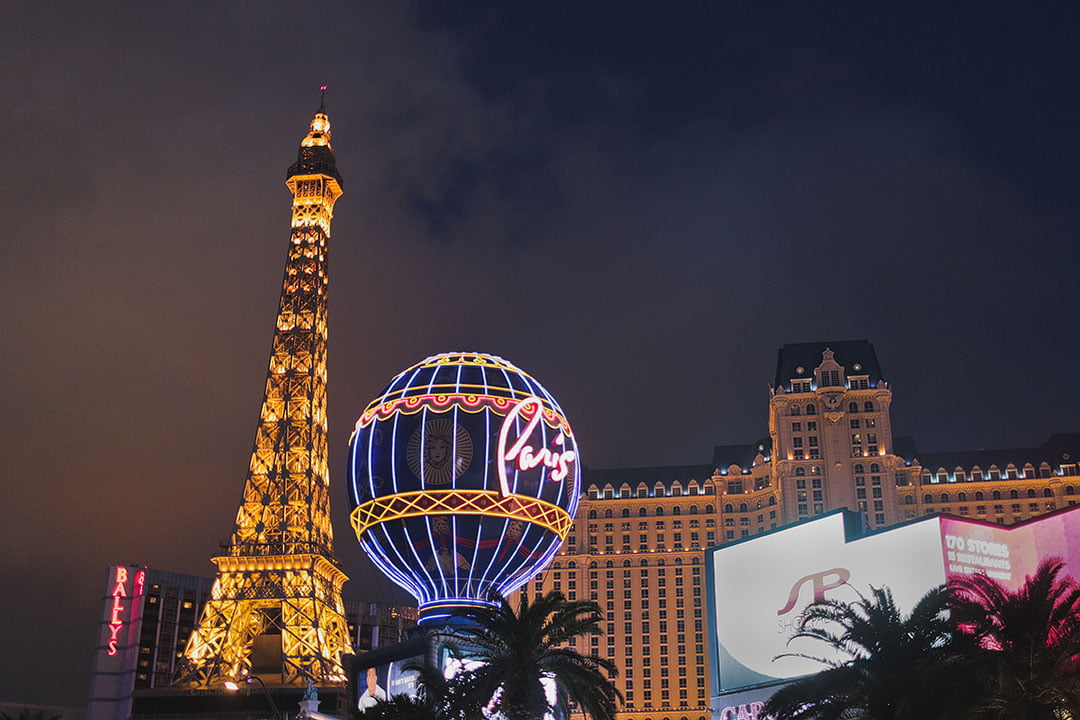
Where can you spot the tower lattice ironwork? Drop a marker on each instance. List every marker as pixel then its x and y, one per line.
pixel 276 607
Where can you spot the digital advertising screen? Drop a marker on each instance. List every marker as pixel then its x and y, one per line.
pixel 759 587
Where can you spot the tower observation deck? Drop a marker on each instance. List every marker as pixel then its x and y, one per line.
pixel 275 608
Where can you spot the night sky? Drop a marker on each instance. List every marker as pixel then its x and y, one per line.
pixel 636 202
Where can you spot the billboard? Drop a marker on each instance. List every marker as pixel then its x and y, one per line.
pixel 759 587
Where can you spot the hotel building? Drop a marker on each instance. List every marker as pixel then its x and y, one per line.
pixel 637 546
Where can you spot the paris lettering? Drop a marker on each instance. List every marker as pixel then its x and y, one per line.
pixel 525 456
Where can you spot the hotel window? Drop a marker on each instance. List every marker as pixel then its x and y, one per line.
pixel 802 511
pixel 854 423
pixel 818 508
pixel 870 422
pixel 879 518
pixel 796 427
pixel 811 426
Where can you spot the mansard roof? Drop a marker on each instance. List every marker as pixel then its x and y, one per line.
pixel 667 476
pixel 724 456
pixel 1059 448
pixel 808 356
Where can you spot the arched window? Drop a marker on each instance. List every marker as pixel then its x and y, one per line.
pixel 659 511
pixel 571 565
pixel 961 497
pixel 810 409
pixel 626 563
pixel 608 514
pixel 693 509
pixel 874 468
pixel 644 562
pixel 592 514
pixel 800 472
pixel 676 510
pixel 859 469
pixel 729 508
pixel 709 509
pixel 772 499
pixel 796 410
pixel 908 500
pixel 868 406
pixel 997 495
pixel 1047 492
pixel 853 407
pixel 626 512
pixel 641 512
pixel 1014 494
pixel 743 507
pixel 1031 492
pixel 944 497
pixel 759 505
pixel 979 495
pixel 815 470
pixel 1070 490
pixel 609 564
pixel 928 499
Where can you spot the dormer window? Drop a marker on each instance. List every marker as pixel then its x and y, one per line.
pixel 861 382
pixel 801 386
pixel 830 378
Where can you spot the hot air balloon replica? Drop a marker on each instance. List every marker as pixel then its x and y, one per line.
pixel 464 477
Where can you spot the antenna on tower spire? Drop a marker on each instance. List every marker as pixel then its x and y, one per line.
pixel 322 98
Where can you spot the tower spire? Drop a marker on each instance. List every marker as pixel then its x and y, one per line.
pixel 276 605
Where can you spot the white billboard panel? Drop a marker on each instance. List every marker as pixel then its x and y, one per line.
pixel 761 586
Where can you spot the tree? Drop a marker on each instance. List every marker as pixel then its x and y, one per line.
pixel 520 648
pixel 889 666
pixel 436 698
pixel 1025 644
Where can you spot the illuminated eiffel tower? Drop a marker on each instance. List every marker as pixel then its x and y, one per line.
pixel 275 608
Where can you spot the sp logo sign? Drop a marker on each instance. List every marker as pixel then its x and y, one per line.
pixel 819 583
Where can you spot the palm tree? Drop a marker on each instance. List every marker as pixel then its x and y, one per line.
pixel 1026 644
pixel 518 649
pixel 889 666
pixel 436 698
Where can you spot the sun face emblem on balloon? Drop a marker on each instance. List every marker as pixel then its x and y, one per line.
pixel 439 451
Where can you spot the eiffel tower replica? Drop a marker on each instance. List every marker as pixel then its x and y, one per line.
pixel 275 610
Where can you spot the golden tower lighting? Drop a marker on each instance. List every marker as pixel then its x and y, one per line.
pixel 275 607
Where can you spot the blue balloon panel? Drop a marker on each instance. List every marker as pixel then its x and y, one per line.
pixel 464 477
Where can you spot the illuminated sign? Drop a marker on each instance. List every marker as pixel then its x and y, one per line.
pixel 759 587
pixel 464 478
pixel 122 600
pixel 526 457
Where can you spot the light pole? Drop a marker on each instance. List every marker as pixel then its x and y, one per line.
pixel 247 679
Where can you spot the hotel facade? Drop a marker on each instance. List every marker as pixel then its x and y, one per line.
pixel 638 545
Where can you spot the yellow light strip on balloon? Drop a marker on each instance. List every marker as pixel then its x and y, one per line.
pixel 461 502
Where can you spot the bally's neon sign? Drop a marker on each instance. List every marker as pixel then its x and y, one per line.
pixel 119 594
pixel 526 457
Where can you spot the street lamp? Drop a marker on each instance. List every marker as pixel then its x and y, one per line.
pixel 247 679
